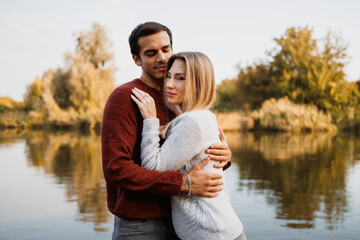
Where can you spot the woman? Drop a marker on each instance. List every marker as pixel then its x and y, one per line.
pixel 190 91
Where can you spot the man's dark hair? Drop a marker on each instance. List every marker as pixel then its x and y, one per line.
pixel 145 29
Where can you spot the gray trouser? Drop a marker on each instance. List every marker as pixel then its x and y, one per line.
pixel 159 228
pixel 151 229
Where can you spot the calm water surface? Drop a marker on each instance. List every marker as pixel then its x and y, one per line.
pixel 282 186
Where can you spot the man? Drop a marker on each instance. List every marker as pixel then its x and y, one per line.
pixel 138 197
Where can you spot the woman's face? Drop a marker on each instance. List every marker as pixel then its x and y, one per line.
pixel 175 82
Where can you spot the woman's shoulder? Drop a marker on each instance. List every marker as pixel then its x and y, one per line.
pixel 199 123
pixel 198 114
pixel 200 118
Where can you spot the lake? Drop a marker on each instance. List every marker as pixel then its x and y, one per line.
pixel 282 185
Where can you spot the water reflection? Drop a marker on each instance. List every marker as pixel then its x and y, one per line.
pixel 304 176
pixel 74 161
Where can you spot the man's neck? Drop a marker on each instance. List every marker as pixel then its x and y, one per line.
pixel 153 83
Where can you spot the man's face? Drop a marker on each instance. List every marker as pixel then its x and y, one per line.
pixel 154 52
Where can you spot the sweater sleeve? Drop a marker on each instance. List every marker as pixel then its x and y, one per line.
pixel 181 145
pixel 120 129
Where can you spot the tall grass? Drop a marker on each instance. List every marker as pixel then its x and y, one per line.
pixel 284 115
pixel 278 115
pixel 235 121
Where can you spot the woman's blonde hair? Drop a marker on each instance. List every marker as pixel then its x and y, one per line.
pixel 200 90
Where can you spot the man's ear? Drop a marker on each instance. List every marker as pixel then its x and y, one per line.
pixel 137 60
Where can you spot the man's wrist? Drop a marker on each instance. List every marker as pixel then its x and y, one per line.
pixel 185 187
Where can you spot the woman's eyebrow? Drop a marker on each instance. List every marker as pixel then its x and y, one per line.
pixel 175 74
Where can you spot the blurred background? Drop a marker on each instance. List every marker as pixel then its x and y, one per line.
pixel 288 98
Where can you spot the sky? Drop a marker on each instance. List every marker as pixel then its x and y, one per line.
pixel 35 35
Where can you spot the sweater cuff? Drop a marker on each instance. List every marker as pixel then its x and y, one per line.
pixel 227 166
pixel 151 124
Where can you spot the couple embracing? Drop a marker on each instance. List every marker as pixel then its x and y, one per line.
pixel 163 154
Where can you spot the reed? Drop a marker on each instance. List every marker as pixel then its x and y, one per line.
pixel 235 121
pixel 284 115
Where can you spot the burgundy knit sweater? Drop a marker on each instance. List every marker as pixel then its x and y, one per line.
pixel 134 192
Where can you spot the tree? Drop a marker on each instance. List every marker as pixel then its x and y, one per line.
pixel 305 69
pixel 228 99
pixel 309 72
pixel 94 46
pixel 257 85
pixel 33 96
pixel 88 80
pixel 80 89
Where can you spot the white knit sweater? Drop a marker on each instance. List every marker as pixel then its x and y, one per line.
pixel 187 139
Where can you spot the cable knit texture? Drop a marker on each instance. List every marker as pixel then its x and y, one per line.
pixel 187 139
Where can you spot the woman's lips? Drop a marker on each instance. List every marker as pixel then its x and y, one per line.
pixel 169 94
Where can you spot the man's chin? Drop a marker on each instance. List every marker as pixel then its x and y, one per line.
pixel 160 77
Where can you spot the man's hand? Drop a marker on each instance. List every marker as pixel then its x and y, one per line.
pixel 202 183
pixel 220 151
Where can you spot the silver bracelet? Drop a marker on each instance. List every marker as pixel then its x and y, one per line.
pixel 189 184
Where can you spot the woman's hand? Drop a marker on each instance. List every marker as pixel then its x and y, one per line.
pixel 145 103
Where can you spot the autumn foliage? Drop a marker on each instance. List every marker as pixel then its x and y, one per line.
pixel 303 69
pixel 75 94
